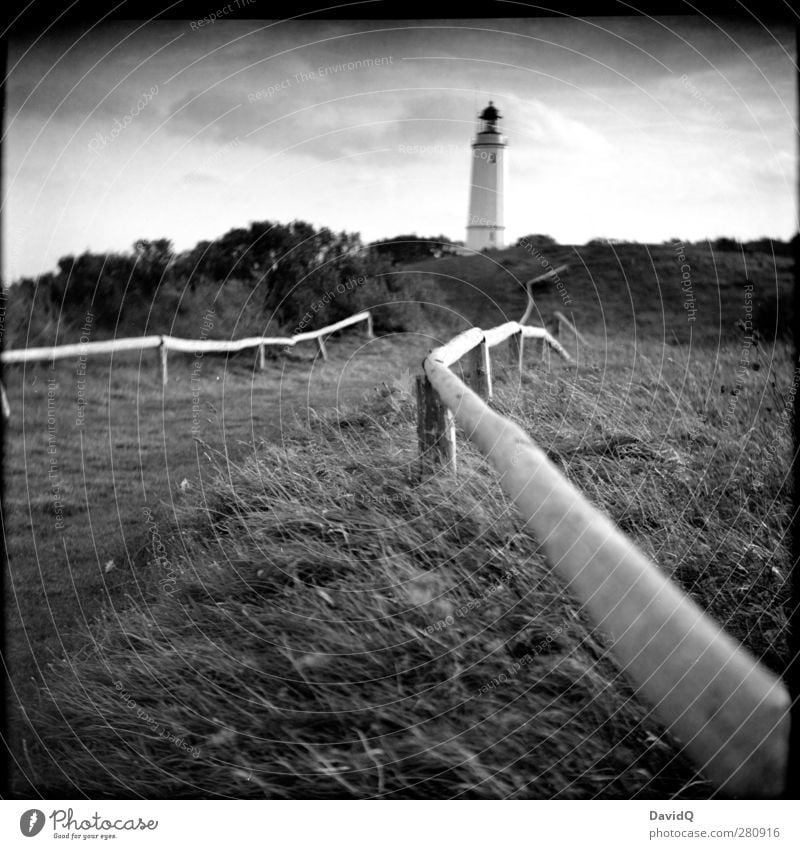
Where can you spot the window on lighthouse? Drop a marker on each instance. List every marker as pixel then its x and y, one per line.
pixel 492 157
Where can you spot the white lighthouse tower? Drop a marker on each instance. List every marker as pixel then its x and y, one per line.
pixel 485 227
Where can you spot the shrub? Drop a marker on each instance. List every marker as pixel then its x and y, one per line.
pixel 398 302
pixel 412 248
pixel 259 279
pixel 536 240
pixel 773 316
pixel 726 244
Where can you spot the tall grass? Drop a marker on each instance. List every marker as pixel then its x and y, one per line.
pixel 681 294
pixel 326 624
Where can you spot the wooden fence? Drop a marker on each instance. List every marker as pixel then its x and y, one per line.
pixel 164 344
pixel 554 272
pixel 730 714
pixel 435 422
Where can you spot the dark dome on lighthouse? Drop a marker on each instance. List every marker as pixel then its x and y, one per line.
pixel 490 114
pixel 489 118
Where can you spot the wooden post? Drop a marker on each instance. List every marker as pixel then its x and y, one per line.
pixel 553 272
pixel 516 349
pixel 480 380
pixel 555 332
pixel 262 360
pixel 552 327
pixel 162 350
pixel 370 333
pixel 487 367
pixel 6 407
pixel 563 320
pixel 436 430
pixel 322 349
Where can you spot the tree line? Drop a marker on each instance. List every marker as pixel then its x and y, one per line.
pixel 258 279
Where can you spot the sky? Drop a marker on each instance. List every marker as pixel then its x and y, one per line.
pixel 629 128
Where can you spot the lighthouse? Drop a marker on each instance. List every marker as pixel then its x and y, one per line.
pixel 485 226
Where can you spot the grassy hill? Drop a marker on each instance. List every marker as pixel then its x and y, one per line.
pixel 136 450
pixel 629 289
pixel 323 623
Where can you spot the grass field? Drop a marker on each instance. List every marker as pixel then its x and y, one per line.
pixel 635 291
pixel 302 632
pixel 135 447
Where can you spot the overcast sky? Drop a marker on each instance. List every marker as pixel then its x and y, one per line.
pixel 619 127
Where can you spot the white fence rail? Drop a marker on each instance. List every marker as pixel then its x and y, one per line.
pixel 730 714
pixel 87 349
pixel 435 424
pixel 559 319
pixel 554 272
pixel 173 343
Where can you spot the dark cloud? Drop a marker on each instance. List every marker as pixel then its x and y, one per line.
pixel 295 109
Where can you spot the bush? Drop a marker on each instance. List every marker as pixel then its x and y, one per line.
pixel 768 246
pixel 603 241
pixel 726 244
pixel 412 248
pixel 397 302
pixel 536 240
pixel 268 278
pixel 773 316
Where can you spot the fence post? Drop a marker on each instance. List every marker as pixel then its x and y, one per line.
pixel 552 326
pixel 162 350
pixel 516 349
pixel 262 360
pixel 6 407
pixel 480 379
pixel 322 349
pixel 570 325
pixel 436 429
pixel 370 333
